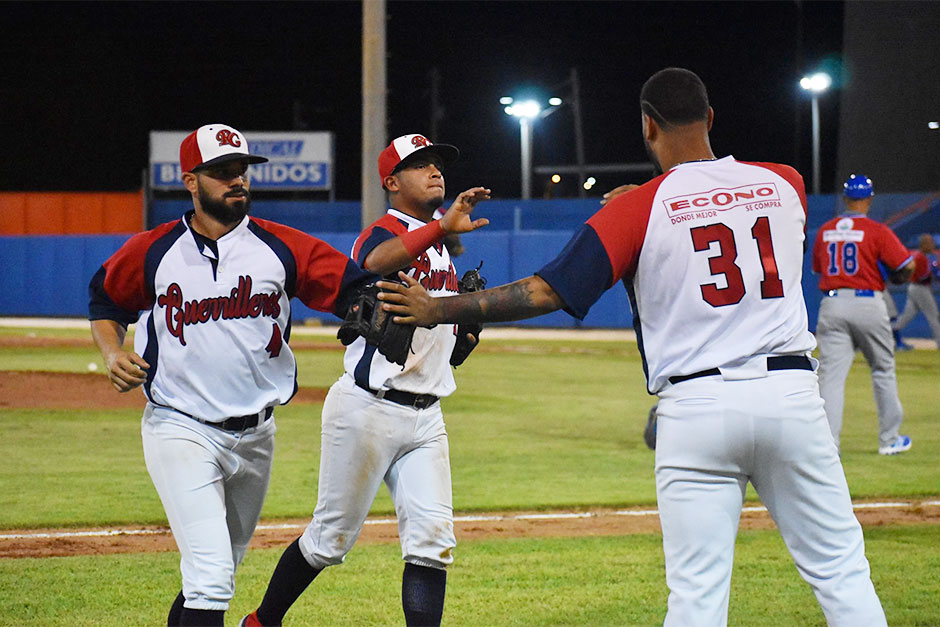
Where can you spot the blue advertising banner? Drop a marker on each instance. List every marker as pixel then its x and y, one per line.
pixel 297 160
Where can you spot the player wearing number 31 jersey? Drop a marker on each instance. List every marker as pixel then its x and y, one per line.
pixel 711 256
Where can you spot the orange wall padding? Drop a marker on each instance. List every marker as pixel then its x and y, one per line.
pixel 64 213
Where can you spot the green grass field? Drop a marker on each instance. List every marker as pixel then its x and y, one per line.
pixel 535 425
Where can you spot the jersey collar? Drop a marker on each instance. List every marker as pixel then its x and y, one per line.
pixel 207 247
pixel 404 217
pixel 701 161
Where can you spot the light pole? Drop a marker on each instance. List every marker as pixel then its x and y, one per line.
pixel 815 85
pixel 526 111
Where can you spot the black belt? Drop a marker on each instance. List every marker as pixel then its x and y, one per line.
pixel 408 399
pixel 783 362
pixel 239 423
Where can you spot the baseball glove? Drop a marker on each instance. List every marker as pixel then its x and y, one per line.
pixel 367 319
pixel 470 282
pixel 649 433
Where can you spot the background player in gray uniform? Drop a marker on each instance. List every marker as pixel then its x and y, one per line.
pixel 381 421
pixel 211 297
pixel 853 315
pixel 711 255
pixel 919 293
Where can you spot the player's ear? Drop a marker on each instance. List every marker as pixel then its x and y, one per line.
pixel 650 128
pixel 391 183
pixel 190 182
pixel 711 117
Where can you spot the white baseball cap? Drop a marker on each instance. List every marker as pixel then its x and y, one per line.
pixel 405 146
pixel 214 144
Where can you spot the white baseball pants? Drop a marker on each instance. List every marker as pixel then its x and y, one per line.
pixel 365 441
pixel 212 484
pixel 713 436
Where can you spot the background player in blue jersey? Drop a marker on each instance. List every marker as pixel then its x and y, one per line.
pixel 210 294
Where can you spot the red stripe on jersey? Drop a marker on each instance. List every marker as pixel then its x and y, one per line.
pixel 388 222
pixel 621 227
pixel 791 176
pixel 124 280
pixel 320 267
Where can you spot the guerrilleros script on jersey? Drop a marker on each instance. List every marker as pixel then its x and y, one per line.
pixel 240 303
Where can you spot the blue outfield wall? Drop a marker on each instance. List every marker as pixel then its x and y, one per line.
pixel 49 275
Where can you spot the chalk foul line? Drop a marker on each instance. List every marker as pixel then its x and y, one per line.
pixel 126 531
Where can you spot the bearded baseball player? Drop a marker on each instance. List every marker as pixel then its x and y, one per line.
pixel 210 294
pixel 853 315
pixel 919 293
pixel 382 420
pixel 711 255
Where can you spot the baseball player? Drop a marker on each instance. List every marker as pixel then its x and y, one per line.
pixel 853 315
pixel 381 421
pixel 210 294
pixel 919 293
pixel 711 256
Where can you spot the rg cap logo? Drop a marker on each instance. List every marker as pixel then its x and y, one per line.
pixel 419 141
pixel 226 136
pixel 722 199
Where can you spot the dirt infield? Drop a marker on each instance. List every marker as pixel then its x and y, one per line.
pixel 67 390
pixel 502 525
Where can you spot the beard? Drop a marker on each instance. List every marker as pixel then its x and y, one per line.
pixel 224 212
pixel 657 168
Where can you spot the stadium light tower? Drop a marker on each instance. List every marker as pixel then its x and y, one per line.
pixel 526 111
pixel 815 85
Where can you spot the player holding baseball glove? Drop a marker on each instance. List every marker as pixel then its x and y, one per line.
pixel 382 420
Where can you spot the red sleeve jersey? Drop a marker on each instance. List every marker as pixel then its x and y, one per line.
pixel 848 250
pixel 922 272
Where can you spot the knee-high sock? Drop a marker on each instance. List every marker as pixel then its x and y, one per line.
pixel 291 577
pixel 173 618
pixel 202 618
pixel 422 594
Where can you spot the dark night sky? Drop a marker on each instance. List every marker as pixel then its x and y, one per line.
pixel 83 84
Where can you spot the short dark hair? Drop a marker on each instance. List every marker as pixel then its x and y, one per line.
pixel 674 97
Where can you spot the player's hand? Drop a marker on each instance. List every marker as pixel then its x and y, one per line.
pixel 126 370
pixel 606 198
pixel 409 301
pixel 457 219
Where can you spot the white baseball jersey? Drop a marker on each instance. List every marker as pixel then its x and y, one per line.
pixel 215 315
pixel 427 370
pixel 711 256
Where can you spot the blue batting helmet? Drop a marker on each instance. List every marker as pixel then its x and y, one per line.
pixel 858 186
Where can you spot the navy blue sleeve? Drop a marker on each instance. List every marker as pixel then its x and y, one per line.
pixel 581 273
pixel 100 305
pixel 376 237
pixel 354 279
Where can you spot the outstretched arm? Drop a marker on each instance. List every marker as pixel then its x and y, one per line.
pixel 400 251
pixel 525 298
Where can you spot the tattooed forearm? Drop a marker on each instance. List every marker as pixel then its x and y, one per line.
pixel 525 298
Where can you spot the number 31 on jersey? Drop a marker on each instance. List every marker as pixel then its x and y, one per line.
pixel 724 262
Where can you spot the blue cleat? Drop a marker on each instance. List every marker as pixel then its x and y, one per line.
pixel 901 444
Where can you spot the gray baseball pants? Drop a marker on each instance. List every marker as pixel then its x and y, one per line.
pixel 920 298
pixel 850 322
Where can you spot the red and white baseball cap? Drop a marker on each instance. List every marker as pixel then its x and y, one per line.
pixel 214 144
pixel 406 146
